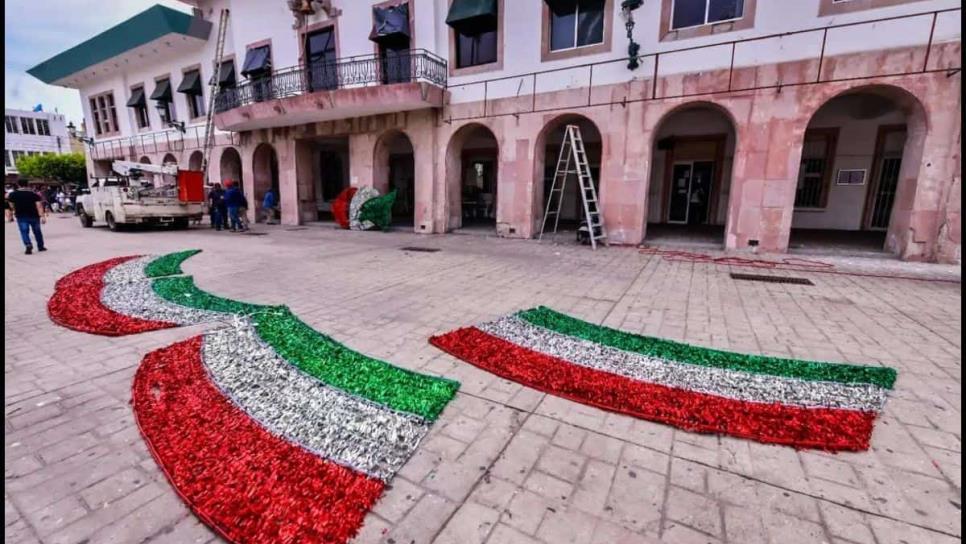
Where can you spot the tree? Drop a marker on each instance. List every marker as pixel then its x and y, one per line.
pixel 65 168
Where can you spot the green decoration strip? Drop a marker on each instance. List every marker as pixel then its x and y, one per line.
pixel 182 290
pixel 168 265
pixel 696 355
pixel 321 356
pixel 352 372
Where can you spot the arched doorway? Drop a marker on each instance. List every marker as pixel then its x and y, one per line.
pixel 230 165
pixel 169 159
pixel 394 168
pixel 547 155
pixel 194 161
pixel 690 179
pixel 472 160
pixel 858 165
pixel 265 174
pixel 145 160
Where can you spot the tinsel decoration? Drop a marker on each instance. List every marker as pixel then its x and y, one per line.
pixel 340 206
pixel 378 210
pixel 269 430
pixel 363 195
pixel 804 404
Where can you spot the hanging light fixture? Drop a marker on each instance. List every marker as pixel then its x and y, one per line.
pixel 633 48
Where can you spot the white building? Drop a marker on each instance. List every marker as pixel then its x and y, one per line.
pixel 31 133
pixel 756 123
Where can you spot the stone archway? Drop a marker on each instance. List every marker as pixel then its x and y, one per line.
pixel 546 154
pixel 145 160
pixel 394 168
pixel 195 160
pixel 265 177
pixel 690 181
pixel 857 182
pixel 169 159
pixel 472 160
pixel 230 165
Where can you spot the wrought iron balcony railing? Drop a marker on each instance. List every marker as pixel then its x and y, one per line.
pixel 417 65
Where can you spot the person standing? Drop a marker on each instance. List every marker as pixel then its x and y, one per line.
pixel 28 208
pixel 216 200
pixel 243 212
pixel 233 201
pixel 268 204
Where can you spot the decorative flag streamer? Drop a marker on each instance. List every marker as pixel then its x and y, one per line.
pixel 781 401
pixel 340 206
pixel 261 406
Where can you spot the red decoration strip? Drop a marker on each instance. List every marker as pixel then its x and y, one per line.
pixel 245 483
pixel 340 206
pixel 822 428
pixel 76 304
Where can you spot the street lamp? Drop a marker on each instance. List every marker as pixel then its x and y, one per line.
pixel 72 131
pixel 633 48
pixel 164 112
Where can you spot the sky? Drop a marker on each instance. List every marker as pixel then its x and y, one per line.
pixel 35 30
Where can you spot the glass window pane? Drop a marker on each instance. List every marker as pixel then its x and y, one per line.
pixel 723 10
pixel 590 22
pixel 486 48
pixel 563 15
pixel 688 13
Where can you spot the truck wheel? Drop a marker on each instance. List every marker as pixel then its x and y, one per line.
pixel 85 220
pixel 111 223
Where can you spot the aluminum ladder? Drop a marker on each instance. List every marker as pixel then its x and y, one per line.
pixel 572 151
pixel 215 89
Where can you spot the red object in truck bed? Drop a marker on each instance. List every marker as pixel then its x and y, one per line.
pixel 191 186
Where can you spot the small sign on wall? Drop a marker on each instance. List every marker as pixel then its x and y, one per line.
pixel 851 177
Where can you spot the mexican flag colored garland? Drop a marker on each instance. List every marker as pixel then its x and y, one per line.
pixel 804 404
pixel 269 430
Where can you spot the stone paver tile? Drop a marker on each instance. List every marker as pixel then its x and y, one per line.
pixel 504 534
pixel 566 526
pixel 471 524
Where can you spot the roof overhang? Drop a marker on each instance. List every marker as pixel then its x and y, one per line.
pixel 152 35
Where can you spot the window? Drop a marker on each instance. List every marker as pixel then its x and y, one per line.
pixel 140 105
pixel 43 127
pixel 688 13
pixel 191 87
pixel 104 114
pixel 576 23
pixel 225 75
pixel 475 49
pixel 475 25
pixel 11 124
pixel 7 161
pixel 818 154
pixel 27 124
pixel 164 100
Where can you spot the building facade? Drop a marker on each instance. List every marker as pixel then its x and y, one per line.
pixel 31 133
pixel 756 123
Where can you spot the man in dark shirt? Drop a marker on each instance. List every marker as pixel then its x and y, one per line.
pixel 28 208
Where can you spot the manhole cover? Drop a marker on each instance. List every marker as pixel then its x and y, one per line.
pixel 255 233
pixel 420 249
pixel 771 279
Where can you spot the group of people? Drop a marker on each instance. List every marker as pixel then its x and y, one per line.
pixel 228 207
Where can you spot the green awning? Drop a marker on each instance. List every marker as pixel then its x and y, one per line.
pixel 162 91
pixel 137 98
pixel 472 15
pixel 190 83
pixel 225 75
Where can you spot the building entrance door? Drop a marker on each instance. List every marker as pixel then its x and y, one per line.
pixel 690 199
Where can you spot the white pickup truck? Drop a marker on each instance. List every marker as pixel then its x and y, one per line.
pixel 130 199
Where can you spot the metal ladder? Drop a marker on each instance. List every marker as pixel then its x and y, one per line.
pixel 215 89
pixel 572 148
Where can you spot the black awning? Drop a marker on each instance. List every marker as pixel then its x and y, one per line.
pixel 162 91
pixel 257 61
pixel 191 83
pixel 472 16
pixel 137 98
pixel 390 24
pixel 225 75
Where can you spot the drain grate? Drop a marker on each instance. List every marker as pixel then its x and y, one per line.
pixel 420 249
pixel 296 228
pixel 771 279
pixel 255 233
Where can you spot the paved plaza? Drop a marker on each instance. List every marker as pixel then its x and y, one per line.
pixel 504 464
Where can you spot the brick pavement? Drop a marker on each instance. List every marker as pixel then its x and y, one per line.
pixel 504 464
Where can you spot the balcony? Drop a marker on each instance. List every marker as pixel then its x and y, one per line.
pixel 340 89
